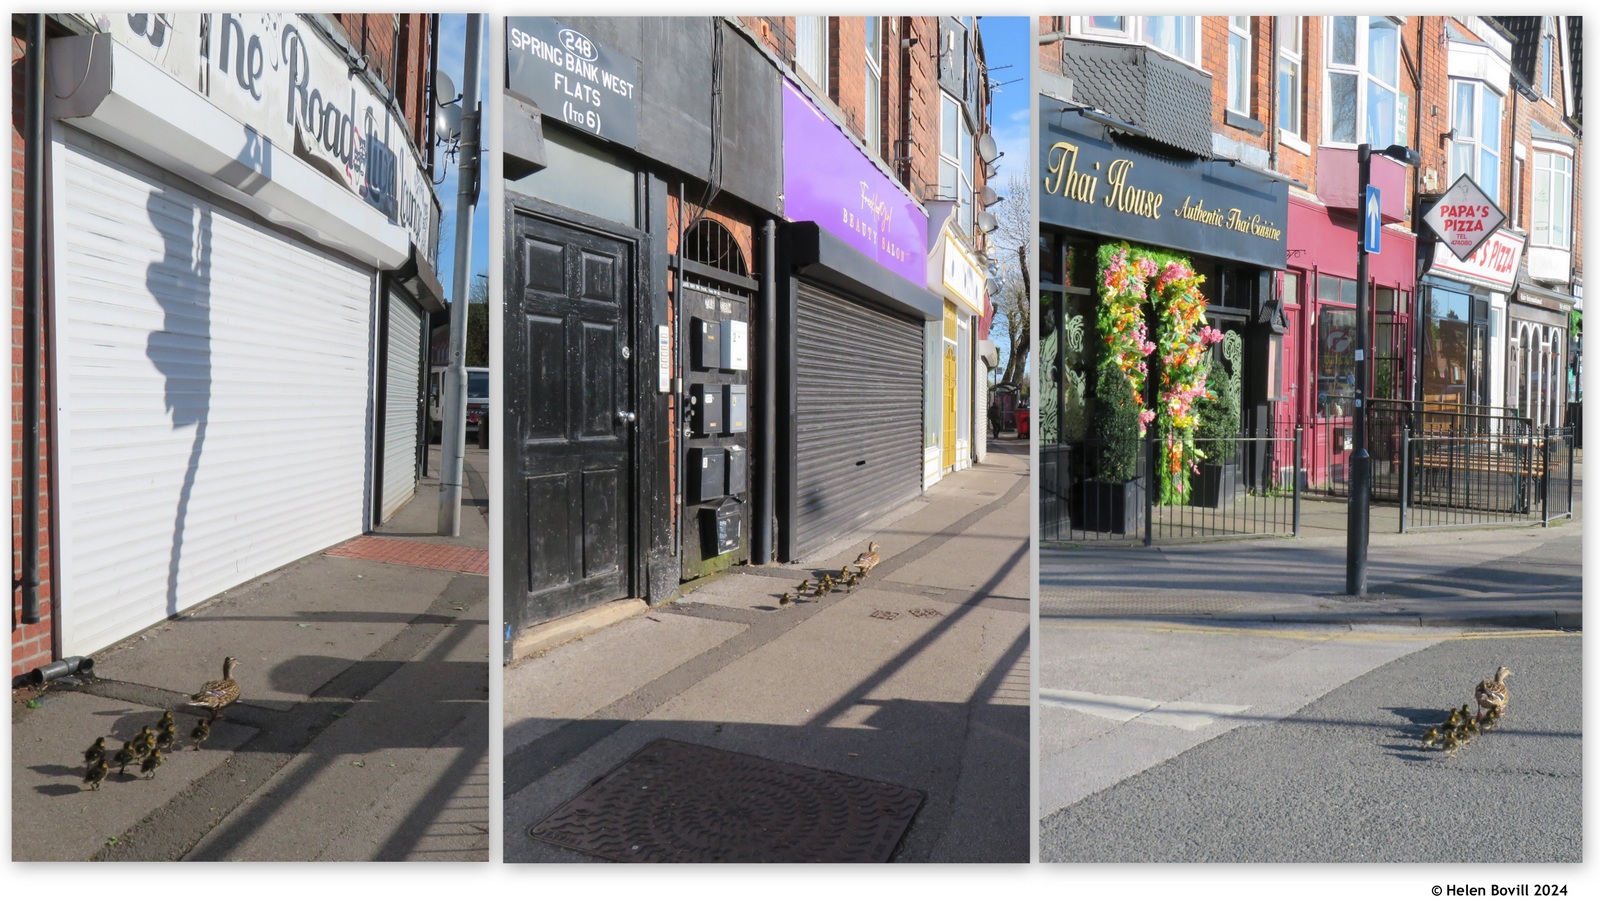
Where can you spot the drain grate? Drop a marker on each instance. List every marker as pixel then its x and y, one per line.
pixel 927 613
pixel 677 802
pixel 884 615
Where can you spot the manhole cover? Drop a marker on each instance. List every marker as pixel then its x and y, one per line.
pixel 677 802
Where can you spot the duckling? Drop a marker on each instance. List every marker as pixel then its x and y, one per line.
pixel 1492 693
pixel 1430 738
pixel 124 756
pixel 827 581
pixel 1455 719
pixel 1464 732
pixel 166 721
pixel 201 732
pixel 96 751
pixel 215 695
pixel 844 572
pixel 804 587
pixel 144 742
pixel 1451 743
pixel 150 763
pixel 98 769
pixel 784 599
pixel 850 583
pixel 165 738
pixel 1491 719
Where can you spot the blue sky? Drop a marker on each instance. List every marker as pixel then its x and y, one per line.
pixel 1005 40
pixel 452 50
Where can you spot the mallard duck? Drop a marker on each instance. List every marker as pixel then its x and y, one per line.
pixel 96 751
pixel 201 732
pixel 124 756
pixel 1430 738
pixel 220 693
pixel 144 742
pixel 1492 693
pixel 165 738
pixel 149 764
pixel 871 552
pixel 97 772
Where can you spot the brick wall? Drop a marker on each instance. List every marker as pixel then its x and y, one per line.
pixel 920 89
pixel 379 36
pixel 30 644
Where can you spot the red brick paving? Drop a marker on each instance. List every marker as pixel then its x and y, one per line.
pixel 390 550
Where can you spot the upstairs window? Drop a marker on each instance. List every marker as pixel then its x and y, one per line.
pixel 1362 82
pixel 1178 36
pixel 955 161
pixel 1552 199
pixel 874 91
pixel 1475 117
pixel 1291 91
pixel 1239 58
pixel 811 49
pixel 1547 57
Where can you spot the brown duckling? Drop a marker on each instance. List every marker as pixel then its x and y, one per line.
pixel 97 772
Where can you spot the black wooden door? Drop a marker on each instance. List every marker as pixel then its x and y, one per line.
pixel 569 462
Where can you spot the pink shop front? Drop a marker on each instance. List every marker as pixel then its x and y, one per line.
pixel 1318 290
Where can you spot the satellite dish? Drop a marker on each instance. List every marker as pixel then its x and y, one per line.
pixel 987 222
pixel 444 88
pixel 447 121
pixel 990 169
pixel 987 149
pixel 989 196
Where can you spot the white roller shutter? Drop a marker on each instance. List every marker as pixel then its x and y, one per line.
pixel 402 390
pixel 213 380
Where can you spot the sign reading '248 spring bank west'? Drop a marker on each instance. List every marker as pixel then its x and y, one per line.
pixel 1094 185
pixel 829 181
pixel 277 74
pixel 573 79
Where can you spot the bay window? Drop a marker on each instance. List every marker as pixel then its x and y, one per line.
pixel 1362 82
pixel 1178 36
pixel 1475 150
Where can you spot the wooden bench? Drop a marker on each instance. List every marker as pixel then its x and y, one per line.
pixel 1467 460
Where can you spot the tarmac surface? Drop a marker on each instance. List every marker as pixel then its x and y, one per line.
pixel 919 677
pixel 361 732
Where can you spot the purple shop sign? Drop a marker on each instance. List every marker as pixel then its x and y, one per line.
pixel 827 180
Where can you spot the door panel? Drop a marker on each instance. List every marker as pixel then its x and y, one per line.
pixel 569 449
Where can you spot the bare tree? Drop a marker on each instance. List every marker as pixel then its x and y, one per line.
pixel 1013 302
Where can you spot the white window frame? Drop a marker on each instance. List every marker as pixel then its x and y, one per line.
pixel 1240 47
pixel 1362 70
pixel 1472 141
pixel 1291 57
pixel 872 118
pixel 811 49
pixel 1137 29
pixel 1541 232
pixel 1547 62
pixel 959 160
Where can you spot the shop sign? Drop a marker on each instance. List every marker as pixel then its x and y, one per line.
pixel 1464 218
pixel 275 73
pixel 829 181
pixel 573 79
pixel 1092 184
pixel 1493 264
pixel 962 280
pixel 1549 303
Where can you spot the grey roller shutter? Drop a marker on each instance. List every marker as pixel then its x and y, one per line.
pixel 858 421
pixel 402 390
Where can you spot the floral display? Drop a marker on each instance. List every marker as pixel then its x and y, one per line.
pixel 1129 278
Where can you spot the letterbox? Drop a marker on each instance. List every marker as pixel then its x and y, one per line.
pixel 735 345
pixel 722 527
pixel 738 469
pixel 706 408
pixel 708 473
pixel 737 412
pixel 706 343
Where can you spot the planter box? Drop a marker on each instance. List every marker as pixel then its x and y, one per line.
pixel 1214 486
pixel 1112 507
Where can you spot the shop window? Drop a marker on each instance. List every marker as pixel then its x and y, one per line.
pixel 1336 362
pixel 811 49
pixel 1332 288
pixel 1291 91
pixel 1362 80
pixel 1475 150
pixel 1177 36
pixel 1552 199
pixel 874 80
pixel 1239 58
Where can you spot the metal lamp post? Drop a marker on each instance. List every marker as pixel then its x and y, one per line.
pixel 1359 527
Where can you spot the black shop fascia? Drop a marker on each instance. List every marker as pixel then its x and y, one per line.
pixel 1099 184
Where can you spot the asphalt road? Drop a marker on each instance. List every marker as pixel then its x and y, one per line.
pixel 1344 779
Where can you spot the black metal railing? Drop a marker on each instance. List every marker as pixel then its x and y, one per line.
pixel 1478 478
pixel 1251 494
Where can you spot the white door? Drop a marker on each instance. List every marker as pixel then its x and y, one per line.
pixel 214 393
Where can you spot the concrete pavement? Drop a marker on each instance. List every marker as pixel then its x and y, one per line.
pixel 361 731
pixel 919 677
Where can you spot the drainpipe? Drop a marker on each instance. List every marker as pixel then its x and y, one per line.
pixel 1272 96
pixel 761 536
pixel 32 311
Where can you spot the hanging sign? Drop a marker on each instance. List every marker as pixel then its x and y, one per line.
pixel 1464 218
pixel 573 79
